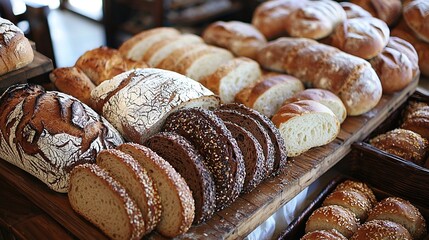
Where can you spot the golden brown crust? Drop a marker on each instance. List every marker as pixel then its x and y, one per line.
pixel 359 186
pixel 417 121
pixel 354 10
pixel 381 229
pixel 351 199
pixel 416 15
pixel 387 10
pixel 323 234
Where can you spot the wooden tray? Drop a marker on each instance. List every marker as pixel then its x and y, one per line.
pixel 249 210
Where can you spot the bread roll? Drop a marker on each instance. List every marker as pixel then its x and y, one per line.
pixel 331 234
pixel 351 199
pixel 381 229
pixel 358 186
pixel 416 15
pixel 418 121
pixel 321 66
pixel 15 49
pixel 306 124
pixel 73 81
pixel 240 38
pixel 324 97
pixel 393 66
pixel 400 211
pixel 267 95
pixel 403 143
pixel 354 11
pixel 332 217
pixel 48 133
pixel 138 101
pixel 387 10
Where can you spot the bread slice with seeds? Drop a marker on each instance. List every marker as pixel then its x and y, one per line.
pixel 103 201
pixel 176 198
pixel 128 172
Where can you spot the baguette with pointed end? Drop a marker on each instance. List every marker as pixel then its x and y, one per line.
pixel 103 201
pixel 176 198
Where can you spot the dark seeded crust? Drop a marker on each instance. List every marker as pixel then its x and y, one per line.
pixel 183 156
pixel 258 132
pixel 280 154
pixel 220 151
pixel 253 155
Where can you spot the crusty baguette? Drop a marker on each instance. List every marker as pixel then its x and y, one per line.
pixel 321 66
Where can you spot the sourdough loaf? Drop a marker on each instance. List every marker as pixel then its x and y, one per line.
pixel 416 15
pixel 321 66
pixel 381 229
pixel 387 10
pixel 183 156
pixel 138 101
pixel 15 49
pixel 306 124
pixel 48 133
pixel 220 151
pixel 354 11
pixel 136 181
pixel 240 38
pixel 103 201
pixel 178 206
pixel 267 95
pixel 231 77
pixel 331 234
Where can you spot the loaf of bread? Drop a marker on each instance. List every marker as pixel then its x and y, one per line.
pixel 104 63
pixel 354 11
pixel 103 201
pixel 267 95
pixel 393 66
pixel 400 211
pixel 231 77
pixel 361 37
pixel 178 206
pixel 324 97
pixel 220 151
pixel 416 15
pixel 332 217
pixel 48 133
pixel 351 199
pixel 331 234
pixel 381 229
pixel 358 186
pixel 15 49
pixel 387 10
pixel 138 101
pixel 73 81
pixel 321 66
pixel 306 124
pixel 403 143
pixel 135 48
pixel 417 120
pixel 184 157
pixel 136 181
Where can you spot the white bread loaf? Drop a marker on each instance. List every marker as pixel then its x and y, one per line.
pixel 231 77
pixel 102 200
pixel 354 10
pixel 135 48
pixel 306 124
pixel 138 101
pixel 15 49
pixel 172 59
pixel 267 95
pixel 322 66
pixel 324 97
pixel 48 133
pixel 240 38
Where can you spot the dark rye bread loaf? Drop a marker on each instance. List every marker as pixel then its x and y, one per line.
pixel 258 132
pixel 219 149
pixel 280 154
pixel 183 156
pixel 253 155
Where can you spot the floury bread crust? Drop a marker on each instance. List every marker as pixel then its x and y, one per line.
pixel 48 133
pixel 138 101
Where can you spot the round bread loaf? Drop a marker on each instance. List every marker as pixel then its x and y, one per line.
pixel 323 235
pixel 400 211
pixel 354 10
pixel 358 186
pixel 351 199
pixel 387 10
pixel 183 156
pixel 381 229
pixel 416 14
pixel 220 151
pixel 15 49
pixel 332 217
pixel 418 121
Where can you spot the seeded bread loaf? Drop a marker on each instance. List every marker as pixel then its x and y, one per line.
pixel 417 120
pixel 48 133
pixel 220 151
pixel 136 181
pixel 178 206
pixel 381 229
pixel 102 200
pixel 358 186
pixel 351 199
pixel 183 156
pixel 331 234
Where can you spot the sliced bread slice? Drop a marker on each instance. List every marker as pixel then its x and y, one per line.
pixel 103 201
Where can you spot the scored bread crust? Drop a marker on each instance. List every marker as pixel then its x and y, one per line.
pixel 183 156
pixel 220 151
pixel 147 198
pixel 176 219
pixel 416 16
pixel 387 10
pixel 135 225
pixel 354 11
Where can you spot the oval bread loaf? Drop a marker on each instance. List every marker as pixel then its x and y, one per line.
pixel 381 229
pixel 387 10
pixel 354 11
pixel 354 201
pixel 331 234
pixel 417 120
pixel 416 15
pixel 358 186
